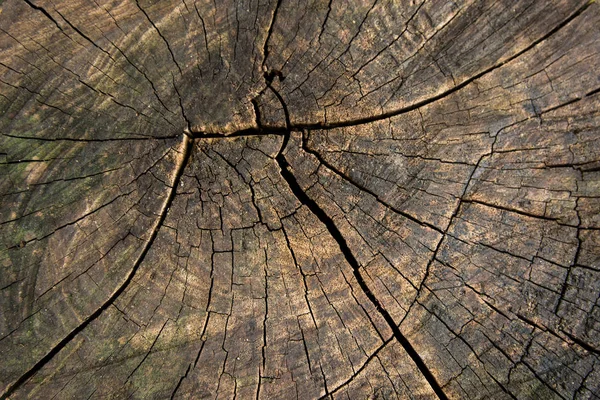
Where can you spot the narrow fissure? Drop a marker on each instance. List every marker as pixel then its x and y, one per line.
pixel 161 36
pixel 362 187
pixel 269 33
pixel 360 369
pixel 456 88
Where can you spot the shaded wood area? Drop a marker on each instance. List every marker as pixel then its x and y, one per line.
pixel 299 199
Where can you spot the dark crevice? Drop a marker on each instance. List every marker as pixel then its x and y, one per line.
pixel 593 92
pixel 567 282
pixel 88 140
pixel 38 8
pixel 180 381
pixel 257 114
pixel 186 151
pixel 286 113
pixel 335 233
pixel 581 343
pixel 324 24
pixel 347 253
pixel 567 103
pixel 269 33
pixel 261 131
pixel 271 74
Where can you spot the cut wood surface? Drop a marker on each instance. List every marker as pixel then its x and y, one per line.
pixel 299 199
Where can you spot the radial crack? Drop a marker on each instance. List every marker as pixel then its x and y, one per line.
pixel 185 150
pixel 269 33
pixel 456 88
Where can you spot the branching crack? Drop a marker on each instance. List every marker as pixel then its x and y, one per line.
pixel 361 187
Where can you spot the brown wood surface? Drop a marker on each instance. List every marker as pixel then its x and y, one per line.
pixel 299 199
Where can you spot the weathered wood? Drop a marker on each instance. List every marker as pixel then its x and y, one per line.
pixel 299 199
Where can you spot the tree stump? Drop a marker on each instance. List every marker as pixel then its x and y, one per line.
pixel 299 199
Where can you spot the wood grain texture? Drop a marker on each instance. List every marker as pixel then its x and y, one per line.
pixel 299 199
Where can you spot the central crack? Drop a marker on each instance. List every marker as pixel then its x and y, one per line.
pixel 333 230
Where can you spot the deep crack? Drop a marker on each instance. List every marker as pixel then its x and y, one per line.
pixel 335 233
